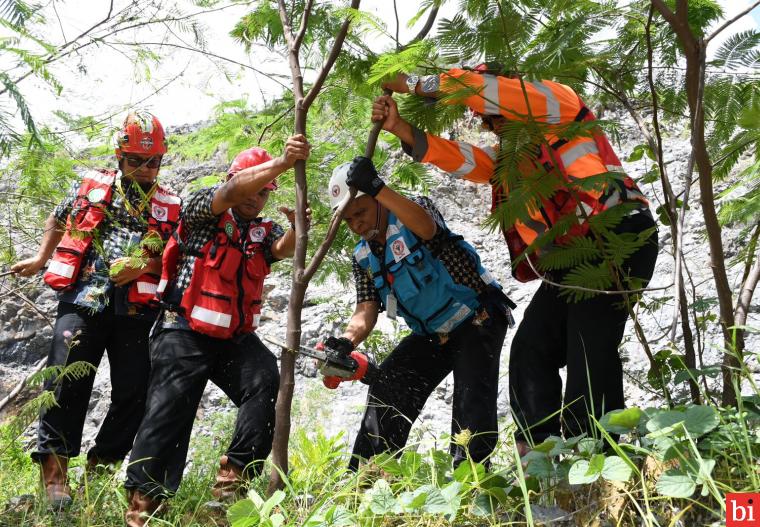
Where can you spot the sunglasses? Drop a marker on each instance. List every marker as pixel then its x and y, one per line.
pixel 135 161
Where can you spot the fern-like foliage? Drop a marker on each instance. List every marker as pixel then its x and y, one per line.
pixel 16 12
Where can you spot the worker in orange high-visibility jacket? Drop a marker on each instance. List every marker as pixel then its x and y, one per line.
pixel 555 332
pixel 90 245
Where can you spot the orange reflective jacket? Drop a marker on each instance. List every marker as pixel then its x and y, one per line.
pixel 574 159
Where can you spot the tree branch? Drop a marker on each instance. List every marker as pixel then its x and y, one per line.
pixel 331 58
pixel 207 53
pixel 304 23
pixel 425 29
pixel 749 280
pixel 731 21
pixel 677 21
pixel 337 217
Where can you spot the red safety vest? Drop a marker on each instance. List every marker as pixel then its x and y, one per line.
pixel 88 211
pixel 563 202
pixel 223 298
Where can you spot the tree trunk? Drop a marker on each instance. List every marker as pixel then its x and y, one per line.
pixel 694 51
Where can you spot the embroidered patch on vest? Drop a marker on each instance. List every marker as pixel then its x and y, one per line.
pixel 96 195
pixel 229 229
pixel 159 212
pixel 257 235
pixel 399 250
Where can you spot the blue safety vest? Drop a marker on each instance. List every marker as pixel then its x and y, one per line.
pixel 426 295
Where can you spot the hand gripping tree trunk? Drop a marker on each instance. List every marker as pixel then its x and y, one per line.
pixel 301 279
pixel 302 274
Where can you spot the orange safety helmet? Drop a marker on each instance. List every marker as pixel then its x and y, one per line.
pixel 142 134
pixel 250 158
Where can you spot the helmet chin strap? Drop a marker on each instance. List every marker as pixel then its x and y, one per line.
pixel 372 234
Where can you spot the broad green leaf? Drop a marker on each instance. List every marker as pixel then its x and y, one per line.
pixel 243 514
pixel 382 501
pixel 701 420
pixel 616 469
pixel 540 467
pixel 579 473
pixel 628 418
pixel 410 463
pixel 547 446
pixel 451 494
pixel 413 500
pixel 271 503
pixel 500 493
pixel 664 419
pixel 436 503
pixel 621 421
pixel 276 520
pixel 464 472
pixel 483 505
pixel 595 464
pixel 676 484
pixel 587 446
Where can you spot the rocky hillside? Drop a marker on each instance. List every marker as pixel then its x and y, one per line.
pixel 25 335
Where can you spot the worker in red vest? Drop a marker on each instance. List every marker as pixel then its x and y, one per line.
pixel 555 332
pixel 213 275
pixel 105 239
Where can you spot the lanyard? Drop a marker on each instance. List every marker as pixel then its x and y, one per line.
pixel 136 211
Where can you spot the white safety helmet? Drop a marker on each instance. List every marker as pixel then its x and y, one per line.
pixel 338 188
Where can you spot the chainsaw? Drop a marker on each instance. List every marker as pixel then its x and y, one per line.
pixel 336 366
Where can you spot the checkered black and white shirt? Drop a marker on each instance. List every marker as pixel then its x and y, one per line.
pixel 201 227
pixel 456 259
pixel 117 233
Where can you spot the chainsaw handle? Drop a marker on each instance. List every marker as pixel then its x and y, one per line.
pixel 333 381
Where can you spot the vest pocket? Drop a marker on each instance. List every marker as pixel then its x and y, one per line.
pixel 63 269
pixel 405 287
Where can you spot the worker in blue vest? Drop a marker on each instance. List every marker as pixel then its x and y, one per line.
pixel 409 264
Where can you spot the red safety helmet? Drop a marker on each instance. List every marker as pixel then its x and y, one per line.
pixel 250 158
pixel 142 134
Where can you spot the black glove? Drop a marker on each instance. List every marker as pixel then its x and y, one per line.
pixel 363 176
pixel 342 345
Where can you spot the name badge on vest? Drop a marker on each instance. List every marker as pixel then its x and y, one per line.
pixel 391 306
pixel 257 234
pixel 399 249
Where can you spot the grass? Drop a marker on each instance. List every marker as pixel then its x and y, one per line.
pixel 421 489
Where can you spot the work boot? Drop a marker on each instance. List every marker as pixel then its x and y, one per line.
pixel 54 472
pixel 229 481
pixel 140 508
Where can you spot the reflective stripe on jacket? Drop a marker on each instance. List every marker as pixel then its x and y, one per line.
pixel 223 298
pixel 88 212
pixel 427 297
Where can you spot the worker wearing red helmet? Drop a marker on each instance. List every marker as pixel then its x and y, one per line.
pixel 105 239
pixel 213 275
pixel 555 332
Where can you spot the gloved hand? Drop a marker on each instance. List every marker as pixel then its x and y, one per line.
pixel 342 345
pixel 362 175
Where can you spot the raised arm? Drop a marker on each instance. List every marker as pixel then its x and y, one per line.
pixel 488 94
pixel 251 180
pixel 460 159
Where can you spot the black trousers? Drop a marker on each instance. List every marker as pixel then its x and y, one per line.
pixel 80 335
pixel 183 361
pixel 410 374
pixel 582 336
